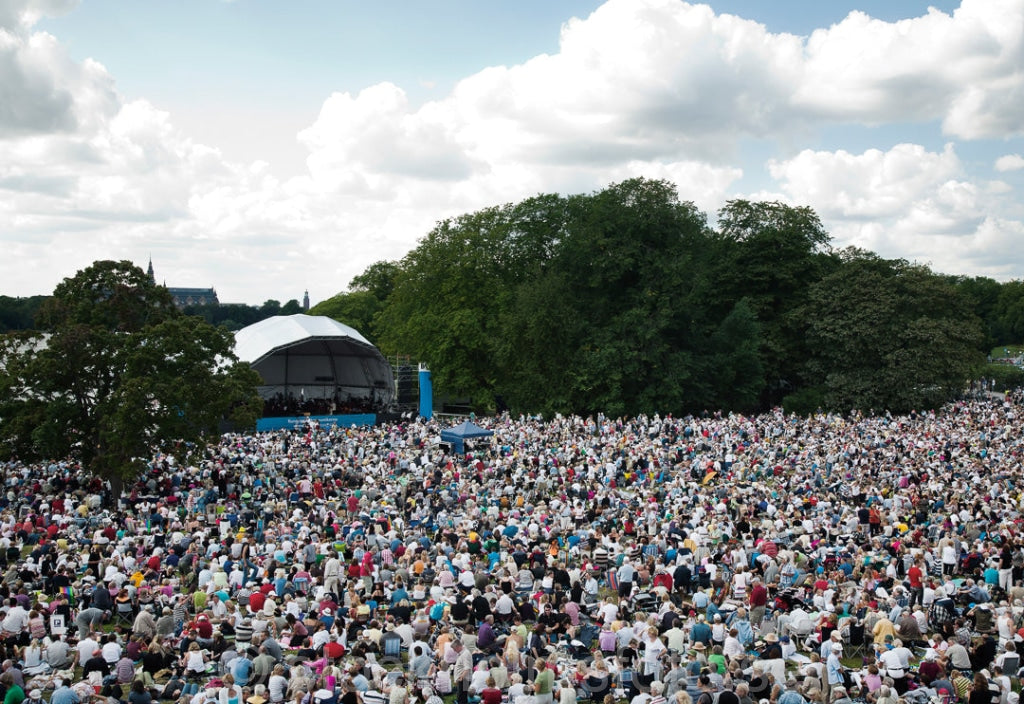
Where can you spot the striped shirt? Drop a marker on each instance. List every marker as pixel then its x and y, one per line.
pixel 243 633
pixel 125 670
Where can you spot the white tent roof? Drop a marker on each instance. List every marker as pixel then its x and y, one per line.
pixel 314 354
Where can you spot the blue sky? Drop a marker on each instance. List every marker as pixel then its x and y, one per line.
pixel 267 147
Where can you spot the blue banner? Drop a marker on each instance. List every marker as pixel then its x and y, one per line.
pixel 295 422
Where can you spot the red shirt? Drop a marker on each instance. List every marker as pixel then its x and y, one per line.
pixel 334 650
pixel 256 600
pixel 758 595
pixel 204 628
pixel 914 575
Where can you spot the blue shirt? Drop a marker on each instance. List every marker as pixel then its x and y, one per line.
pixel 241 671
pixel 834 669
pixel 65 695
pixel 360 683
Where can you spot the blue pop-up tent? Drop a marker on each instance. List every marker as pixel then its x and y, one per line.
pixel 458 435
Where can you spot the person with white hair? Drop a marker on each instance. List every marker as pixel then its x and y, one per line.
pixel 626 573
pixel 657 693
pixel 834 669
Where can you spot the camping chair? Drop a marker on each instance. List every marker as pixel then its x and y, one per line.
pixel 594 688
pixel 391 645
pixel 125 612
pixel 588 634
pixel 984 621
pixel 646 602
pixel 1011 664
pixel 801 628
pixel 627 683
pixel 855 642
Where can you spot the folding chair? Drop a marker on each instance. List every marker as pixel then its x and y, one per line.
pixel 627 683
pixel 596 687
pixel 855 641
pixel 1011 664
pixel 391 643
pixel 125 612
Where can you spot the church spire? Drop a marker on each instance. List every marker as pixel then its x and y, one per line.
pixel 149 271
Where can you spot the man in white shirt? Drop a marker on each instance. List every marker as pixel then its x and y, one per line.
pixel 504 607
pixel 16 619
pixel 111 650
pixel 609 612
pixel 320 638
pixel 85 648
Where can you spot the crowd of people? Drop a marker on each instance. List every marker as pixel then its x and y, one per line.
pixel 297 404
pixel 719 559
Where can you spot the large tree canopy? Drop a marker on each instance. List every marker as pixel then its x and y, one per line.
pixel 582 303
pixel 626 301
pixel 118 374
pixel 888 335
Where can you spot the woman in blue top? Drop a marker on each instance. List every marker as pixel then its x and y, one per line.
pixel 230 693
pixel 139 694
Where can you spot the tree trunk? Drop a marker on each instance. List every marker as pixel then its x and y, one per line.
pixel 116 489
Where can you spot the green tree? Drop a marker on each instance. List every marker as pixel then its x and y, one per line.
pixel 770 253
pixel 119 374
pixel 983 295
pixel 611 315
pixel 597 302
pixel 447 302
pixel 357 309
pixel 888 335
pixel 361 304
pixel 628 255
pixel 1008 314
pixel 19 313
pixel 292 307
pixel 378 279
pixel 269 308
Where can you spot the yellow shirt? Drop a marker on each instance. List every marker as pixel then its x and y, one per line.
pixel 882 629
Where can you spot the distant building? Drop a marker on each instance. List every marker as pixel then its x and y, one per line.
pixel 305 302
pixel 184 297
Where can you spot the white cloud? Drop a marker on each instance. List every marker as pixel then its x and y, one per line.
pixel 649 81
pixel 911 203
pixel 874 184
pixel 656 88
pixel 22 14
pixel 1010 162
pixel 961 68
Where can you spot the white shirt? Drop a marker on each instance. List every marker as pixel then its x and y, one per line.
pixel 85 648
pixel 276 687
pixel 893 665
pixel 609 612
pixel 111 652
pixel 15 620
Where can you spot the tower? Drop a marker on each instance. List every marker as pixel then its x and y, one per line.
pixel 305 302
pixel 149 270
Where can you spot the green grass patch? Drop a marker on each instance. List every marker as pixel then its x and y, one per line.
pixel 1000 351
pixel 1006 376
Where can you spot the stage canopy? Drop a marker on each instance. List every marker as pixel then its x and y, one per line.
pixel 315 357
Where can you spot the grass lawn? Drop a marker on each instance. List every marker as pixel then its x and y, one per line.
pixel 1007 351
